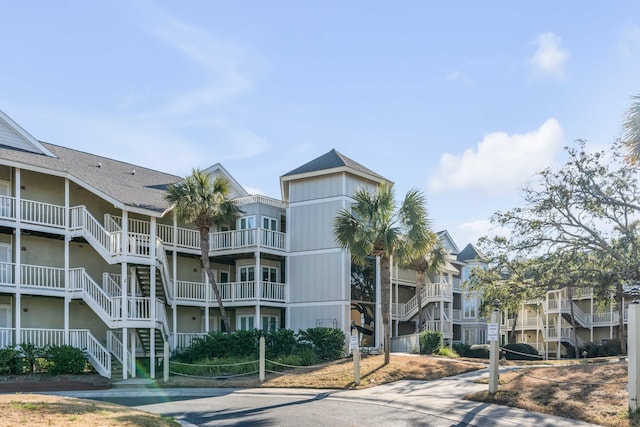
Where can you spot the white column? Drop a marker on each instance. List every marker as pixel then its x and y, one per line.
pixel 67 239
pixel 125 353
pixel 258 288
pixel 18 259
pixel 379 333
pixel 174 274
pixel 494 349
pixel 132 340
pixel 633 349
pixel 153 296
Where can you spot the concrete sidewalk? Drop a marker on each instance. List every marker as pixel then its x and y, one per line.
pixel 441 398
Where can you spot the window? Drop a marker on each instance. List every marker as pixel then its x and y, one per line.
pixel 269 225
pixel 246 235
pixel 246 274
pixel 470 306
pixel 269 323
pixel 270 274
pixel 246 323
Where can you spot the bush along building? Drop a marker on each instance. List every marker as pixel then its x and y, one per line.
pixel 92 255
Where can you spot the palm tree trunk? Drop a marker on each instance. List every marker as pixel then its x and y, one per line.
pixel 419 275
pixel 385 294
pixel 204 257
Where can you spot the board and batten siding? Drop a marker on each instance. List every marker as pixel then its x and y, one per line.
pixel 311 226
pixel 10 138
pixel 315 188
pixel 317 277
pixel 311 317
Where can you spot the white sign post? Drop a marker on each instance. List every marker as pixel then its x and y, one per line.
pixel 355 351
pixel 493 334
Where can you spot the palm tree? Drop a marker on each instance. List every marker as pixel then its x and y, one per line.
pixel 204 203
pixel 430 263
pixel 376 226
pixel 632 131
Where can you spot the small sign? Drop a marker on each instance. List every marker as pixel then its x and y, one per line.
pixel 353 343
pixel 492 331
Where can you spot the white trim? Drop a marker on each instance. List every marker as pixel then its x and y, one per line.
pixel 321 200
pixel 319 304
pixel 37 146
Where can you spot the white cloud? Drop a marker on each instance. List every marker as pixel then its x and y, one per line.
pixel 550 58
pixel 501 162
pixel 458 76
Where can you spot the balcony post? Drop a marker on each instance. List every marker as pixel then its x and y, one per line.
pixel 258 287
pixel 18 254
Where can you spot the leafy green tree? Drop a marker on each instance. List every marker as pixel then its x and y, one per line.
pixel 206 203
pixel 631 126
pixel 506 278
pixel 581 221
pixel 376 226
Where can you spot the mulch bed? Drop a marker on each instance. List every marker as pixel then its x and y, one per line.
pixel 43 382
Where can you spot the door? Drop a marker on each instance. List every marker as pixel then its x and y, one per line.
pixel 5 325
pixel 6 210
pixel 6 268
pixel 269 227
pixel 246 226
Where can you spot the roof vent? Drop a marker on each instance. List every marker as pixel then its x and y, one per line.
pixel 100 164
pixel 133 172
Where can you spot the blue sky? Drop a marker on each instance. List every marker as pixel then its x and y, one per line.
pixel 464 100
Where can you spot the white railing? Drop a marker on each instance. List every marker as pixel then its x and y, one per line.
pixel 185 339
pixel 231 291
pixel 272 291
pixel 165 272
pixel 273 239
pixel 263 200
pixel 438 325
pixel 139 308
pixel 431 292
pixel 6 337
pixel 457 315
pixel 106 306
pixel 115 347
pixel 192 291
pixel 7 207
pixel 98 356
pixel 39 213
pixel 109 242
pixel 457 284
pixel 161 315
pixel 42 277
pixel 111 284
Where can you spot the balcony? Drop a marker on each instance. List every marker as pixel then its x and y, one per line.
pixel 232 293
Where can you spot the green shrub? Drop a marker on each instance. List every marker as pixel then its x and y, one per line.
pixel 66 359
pixel 10 361
pixel 327 343
pixel 478 351
pixel 280 342
pixel 430 342
pixel 32 358
pixel 606 348
pixel 462 349
pixel 448 352
pixel 519 351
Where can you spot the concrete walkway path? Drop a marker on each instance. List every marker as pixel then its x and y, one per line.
pixel 443 399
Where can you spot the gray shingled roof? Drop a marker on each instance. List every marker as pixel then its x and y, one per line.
pixel 471 253
pixel 143 190
pixel 332 159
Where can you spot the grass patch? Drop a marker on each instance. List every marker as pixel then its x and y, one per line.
pixel 45 410
pixel 590 392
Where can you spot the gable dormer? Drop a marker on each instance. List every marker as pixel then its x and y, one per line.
pixel 14 136
pixel 237 191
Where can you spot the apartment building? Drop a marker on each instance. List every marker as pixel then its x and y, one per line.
pixel 92 255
